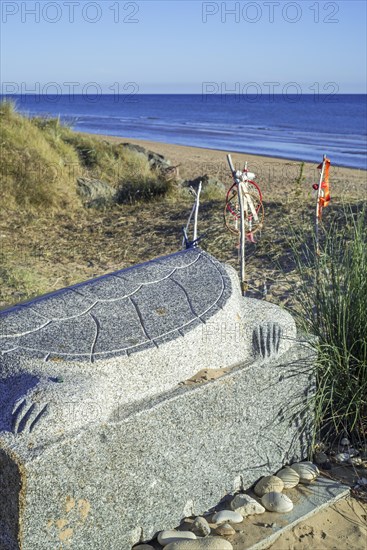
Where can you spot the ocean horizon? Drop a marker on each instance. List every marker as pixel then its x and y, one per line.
pixel 298 127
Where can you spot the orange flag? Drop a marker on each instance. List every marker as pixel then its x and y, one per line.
pixel 324 192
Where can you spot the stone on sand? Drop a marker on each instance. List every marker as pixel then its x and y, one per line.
pixel 209 543
pixel 246 505
pixel 201 527
pixel 227 515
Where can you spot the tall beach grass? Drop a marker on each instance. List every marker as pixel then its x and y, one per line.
pixel 332 305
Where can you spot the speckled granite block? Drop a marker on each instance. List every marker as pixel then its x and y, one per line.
pixel 99 445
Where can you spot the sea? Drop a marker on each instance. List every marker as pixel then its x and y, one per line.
pixel 300 127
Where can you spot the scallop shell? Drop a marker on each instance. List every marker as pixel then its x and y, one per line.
pixel 306 470
pixel 289 477
pixel 312 465
pixel 277 502
pixel 268 484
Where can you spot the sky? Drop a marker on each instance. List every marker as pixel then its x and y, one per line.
pixel 174 46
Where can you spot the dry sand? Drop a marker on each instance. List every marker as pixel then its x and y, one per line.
pixel 274 174
pixel 341 526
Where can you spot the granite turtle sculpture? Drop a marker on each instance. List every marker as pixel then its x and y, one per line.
pixel 80 354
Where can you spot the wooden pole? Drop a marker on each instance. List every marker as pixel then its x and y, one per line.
pixel 243 204
pixel 197 202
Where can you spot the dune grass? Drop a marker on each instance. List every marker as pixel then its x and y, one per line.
pixel 41 160
pixel 333 306
pixel 34 165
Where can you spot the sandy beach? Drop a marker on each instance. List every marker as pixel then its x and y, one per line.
pixel 275 175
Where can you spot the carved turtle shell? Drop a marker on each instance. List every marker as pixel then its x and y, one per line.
pixel 120 313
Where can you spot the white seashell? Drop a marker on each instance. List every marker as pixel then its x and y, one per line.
pixel 277 502
pixel 225 530
pixel 246 505
pixel 268 484
pixel 307 472
pixel 227 515
pixel 313 466
pixel 165 537
pixel 289 477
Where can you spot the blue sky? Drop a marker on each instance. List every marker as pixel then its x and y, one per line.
pixel 179 46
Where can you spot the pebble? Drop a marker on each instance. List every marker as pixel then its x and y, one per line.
pixel 277 502
pixel 352 451
pixel 269 484
pixel 246 505
pixel 289 477
pixel 225 530
pixel 345 442
pixel 209 543
pixel 201 527
pixel 165 537
pixel 227 515
pixel 306 471
pixel 362 482
pixel 143 547
pixel 342 457
pixel 321 458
